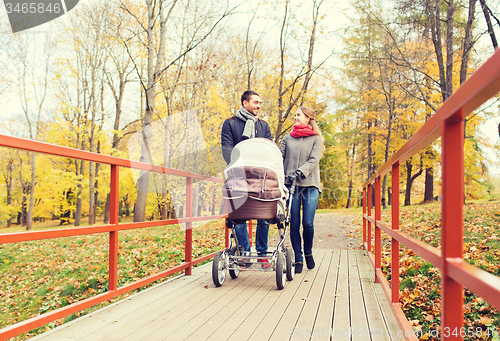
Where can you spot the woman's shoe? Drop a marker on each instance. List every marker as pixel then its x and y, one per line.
pixel 298 267
pixel 310 262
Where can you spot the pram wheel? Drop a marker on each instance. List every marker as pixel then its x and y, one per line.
pixel 219 268
pixel 280 271
pixel 234 273
pixel 290 268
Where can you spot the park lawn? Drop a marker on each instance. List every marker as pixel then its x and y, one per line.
pixel 43 275
pixel 420 281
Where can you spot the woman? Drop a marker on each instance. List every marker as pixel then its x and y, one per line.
pixel 302 149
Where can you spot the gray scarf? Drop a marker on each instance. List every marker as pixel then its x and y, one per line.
pixel 250 120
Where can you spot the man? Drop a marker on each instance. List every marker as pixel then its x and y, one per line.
pixel 246 125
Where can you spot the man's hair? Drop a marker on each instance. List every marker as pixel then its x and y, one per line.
pixel 247 94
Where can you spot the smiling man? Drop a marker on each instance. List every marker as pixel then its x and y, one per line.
pixel 246 125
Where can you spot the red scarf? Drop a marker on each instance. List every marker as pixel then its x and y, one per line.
pixel 302 130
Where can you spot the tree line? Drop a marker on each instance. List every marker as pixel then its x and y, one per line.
pixel 153 80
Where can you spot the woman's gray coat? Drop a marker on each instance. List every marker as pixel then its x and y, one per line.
pixel 303 153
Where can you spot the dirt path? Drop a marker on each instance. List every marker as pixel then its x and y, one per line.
pixel 333 231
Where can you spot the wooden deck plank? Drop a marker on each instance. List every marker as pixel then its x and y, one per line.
pixel 341 316
pixel 169 321
pixel 210 319
pixel 234 321
pixel 379 311
pixel 307 317
pixel 175 288
pixel 160 311
pixel 255 316
pixel 359 323
pixel 324 317
pixel 336 299
pixel 377 326
pixel 288 294
pixel 303 294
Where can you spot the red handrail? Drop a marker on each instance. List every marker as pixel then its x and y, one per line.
pixel 112 228
pixel 447 122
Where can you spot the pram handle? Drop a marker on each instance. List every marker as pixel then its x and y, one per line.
pixel 293 178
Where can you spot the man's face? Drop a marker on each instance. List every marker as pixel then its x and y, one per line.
pixel 253 105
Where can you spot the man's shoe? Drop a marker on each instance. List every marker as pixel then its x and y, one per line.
pixel 298 267
pixel 310 262
pixel 245 263
pixel 265 264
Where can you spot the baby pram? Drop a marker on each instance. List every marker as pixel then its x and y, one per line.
pixel 255 189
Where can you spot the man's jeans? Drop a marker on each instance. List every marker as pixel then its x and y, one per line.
pixel 260 236
pixel 307 197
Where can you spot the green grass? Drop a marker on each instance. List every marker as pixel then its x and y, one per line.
pixel 420 282
pixel 43 275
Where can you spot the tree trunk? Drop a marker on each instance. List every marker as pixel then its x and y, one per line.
pixel 196 195
pixel 369 150
pixel 349 194
pixel 8 182
pixel 384 185
pixel 429 185
pixel 449 48
pixel 23 207
pixel 118 96
pixel 107 208
pixel 31 205
pixel 153 69
pixel 486 12
pixel 409 167
pixel 409 181
pixel 79 200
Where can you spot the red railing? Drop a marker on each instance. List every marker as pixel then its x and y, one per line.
pixel 113 228
pixel 447 122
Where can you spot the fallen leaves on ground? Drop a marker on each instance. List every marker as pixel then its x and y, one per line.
pixel 420 282
pixel 43 275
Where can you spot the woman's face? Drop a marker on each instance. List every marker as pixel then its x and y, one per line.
pixel 300 118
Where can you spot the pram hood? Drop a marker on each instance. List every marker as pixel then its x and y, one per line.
pixel 256 170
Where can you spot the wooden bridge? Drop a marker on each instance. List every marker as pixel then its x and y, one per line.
pixel 338 299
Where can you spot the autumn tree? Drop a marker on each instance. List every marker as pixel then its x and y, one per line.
pixel 30 71
pixel 198 19
pixel 292 88
pixel 119 72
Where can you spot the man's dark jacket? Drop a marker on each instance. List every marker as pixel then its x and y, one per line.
pixel 232 131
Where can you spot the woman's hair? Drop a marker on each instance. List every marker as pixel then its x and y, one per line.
pixel 308 112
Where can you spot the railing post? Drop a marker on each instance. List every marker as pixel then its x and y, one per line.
pixel 369 213
pixel 113 235
pixel 378 214
pixel 188 251
pixel 452 302
pixel 364 219
pixel 395 227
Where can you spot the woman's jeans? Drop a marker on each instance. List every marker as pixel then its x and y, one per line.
pixel 307 197
pixel 260 236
